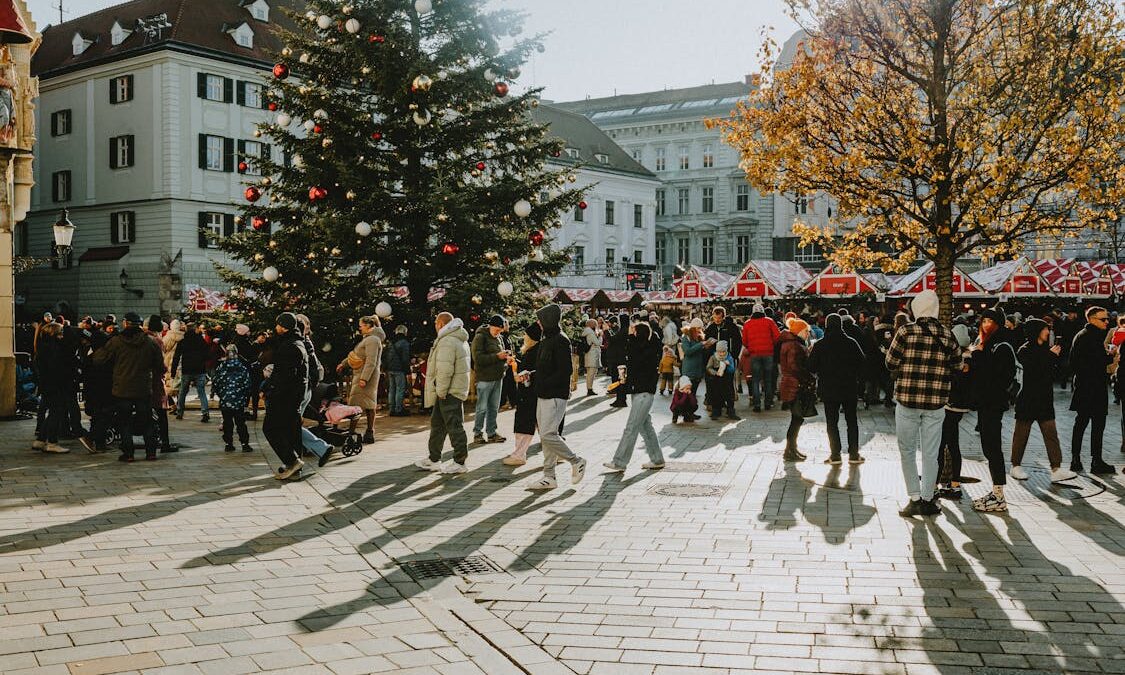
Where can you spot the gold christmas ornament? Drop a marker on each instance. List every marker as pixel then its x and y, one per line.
pixel 422 83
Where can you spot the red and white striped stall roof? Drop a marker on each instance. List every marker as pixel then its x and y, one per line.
pixel 1013 277
pixel 700 284
pixel 925 278
pixel 835 282
pixel 768 279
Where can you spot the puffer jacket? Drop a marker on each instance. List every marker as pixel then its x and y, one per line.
pixel 759 335
pixel 1036 400
pixel 448 366
pixel 694 358
pixel 232 383
pixel 794 366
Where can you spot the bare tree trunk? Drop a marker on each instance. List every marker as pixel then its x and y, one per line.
pixel 943 269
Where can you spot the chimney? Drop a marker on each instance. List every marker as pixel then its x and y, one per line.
pixel 749 79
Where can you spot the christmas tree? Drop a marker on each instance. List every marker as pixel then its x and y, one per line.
pixel 399 162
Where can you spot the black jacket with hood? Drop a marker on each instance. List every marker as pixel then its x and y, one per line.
pixel 642 358
pixel 838 361
pixel 552 366
pixel 1036 400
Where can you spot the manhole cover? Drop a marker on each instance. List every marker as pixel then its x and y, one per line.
pixel 694 467
pixel 435 568
pixel 687 490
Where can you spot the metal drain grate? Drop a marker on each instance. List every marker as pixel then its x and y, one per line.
pixel 687 490
pixel 694 467
pixel 436 568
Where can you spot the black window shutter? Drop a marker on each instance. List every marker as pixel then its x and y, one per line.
pixel 55 187
pixel 114 219
pixel 54 123
pixel 131 140
pixel 228 90
pixel 240 92
pixel 228 155
pixel 228 224
pixel 202 231
pixel 113 152
pixel 129 87
pixel 113 90
pixel 201 84
pixel 202 151
pixel 132 226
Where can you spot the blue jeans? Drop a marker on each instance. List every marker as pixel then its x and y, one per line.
pixel 396 391
pixel 639 422
pixel 311 442
pixel 919 429
pixel 761 373
pixel 488 404
pixel 200 382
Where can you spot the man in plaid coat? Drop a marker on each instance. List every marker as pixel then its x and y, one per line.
pixel 921 357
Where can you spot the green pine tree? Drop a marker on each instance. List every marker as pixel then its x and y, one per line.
pixel 399 159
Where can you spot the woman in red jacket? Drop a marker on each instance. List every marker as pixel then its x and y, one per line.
pixel 795 376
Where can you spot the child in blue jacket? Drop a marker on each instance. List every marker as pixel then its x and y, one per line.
pixel 232 382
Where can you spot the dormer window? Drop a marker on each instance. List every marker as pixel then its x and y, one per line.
pixel 602 158
pixel 259 9
pixel 118 34
pixel 572 153
pixel 80 43
pixel 243 35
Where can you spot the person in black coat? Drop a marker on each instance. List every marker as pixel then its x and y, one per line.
pixel 97 391
pixel 287 385
pixel 190 359
pixel 962 399
pixel 523 424
pixel 643 353
pixel 615 356
pixel 838 362
pixel 855 332
pixel 992 367
pixel 53 378
pixel 1088 362
pixel 1036 400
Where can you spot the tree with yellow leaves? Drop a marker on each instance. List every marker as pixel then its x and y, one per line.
pixel 942 128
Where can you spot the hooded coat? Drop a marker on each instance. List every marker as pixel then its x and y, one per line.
pixel 485 347
pixel 191 355
pixel 992 368
pixel 642 358
pixel 1036 400
pixel 794 366
pixel 370 350
pixel 449 363
pixel 837 360
pixel 290 377
pixel 136 362
pixel 553 365
pixel 1088 362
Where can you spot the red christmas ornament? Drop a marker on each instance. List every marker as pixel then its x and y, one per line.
pixel 501 89
pixel 281 71
pixel 317 129
pixel 475 318
pixel 243 167
pixel 450 248
pixel 582 205
pixel 376 136
pixel 272 106
pixel 376 39
pixel 557 153
pixel 252 194
pixel 258 223
pixel 480 166
pixel 316 193
pixel 536 238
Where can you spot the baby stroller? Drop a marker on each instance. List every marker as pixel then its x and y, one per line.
pixel 27 401
pixel 113 433
pixel 336 422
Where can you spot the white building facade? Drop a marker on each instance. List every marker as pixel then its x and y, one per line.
pixel 144 124
pixel 613 240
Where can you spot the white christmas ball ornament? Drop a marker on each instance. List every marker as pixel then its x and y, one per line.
pixel 323 21
pixel 304 57
pixel 352 26
pixel 504 288
pixel 489 75
pixel 536 255
pixel 283 119
pixel 320 114
pixel 423 6
pixel 422 117
pixel 298 162
pixel 270 274
pixel 522 208
pixel 309 124
pixel 383 310
pixel 363 228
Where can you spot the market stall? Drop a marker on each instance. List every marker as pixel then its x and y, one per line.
pixel 1013 278
pixel 768 279
pixel 699 284
pixel 925 278
pixel 835 282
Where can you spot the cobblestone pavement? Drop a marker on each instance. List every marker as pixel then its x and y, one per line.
pixel 201 562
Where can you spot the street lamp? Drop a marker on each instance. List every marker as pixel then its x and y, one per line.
pixel 64 234
pixel 124 277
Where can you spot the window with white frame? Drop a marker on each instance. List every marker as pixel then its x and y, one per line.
pixel 244 37
pixel 707 251
pixel 60 186
pixel 60 122
pixel 683 251
pixel 252 98
pixel 683 197
pixel 742 248
pixel 685 157
pixel 708 202
pixel 800 205
pixel 660 159
pixel 708 156
pixel 260 10
pixel 252 150
pixel 121 89
pixel 742 197
pixel 609 254
pixel 579 214
pixel 213 228
pixel 214 153
pixel 610 212
pixel 123 227
pixel 637 154
pixel 572 153
pixel 213 87
pixel 661 251
pixel 811 253
pixel 638 215
pixel 121 151
pixel 661 202
pixel 579 259
pixel 118 34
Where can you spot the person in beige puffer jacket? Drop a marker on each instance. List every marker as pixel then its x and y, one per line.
pixel 447 387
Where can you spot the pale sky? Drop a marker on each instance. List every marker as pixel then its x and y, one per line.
pixel 597 47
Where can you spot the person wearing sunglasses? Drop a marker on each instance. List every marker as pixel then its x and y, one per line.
pixel 1089 362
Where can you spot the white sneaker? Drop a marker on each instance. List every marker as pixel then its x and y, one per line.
pixel 453 467
pixel 38 445
pixel 287 472
pixel 613 468
pixel 577 471
pixel 427 465
pixel 652 466
pixel 544 484
pixel 1018 473
pixel 1060 474
pixel 56 448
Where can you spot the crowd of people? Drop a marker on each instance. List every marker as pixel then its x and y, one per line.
pixel 133 374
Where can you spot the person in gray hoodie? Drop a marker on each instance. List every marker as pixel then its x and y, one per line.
pixel 552 387
pixel 447 387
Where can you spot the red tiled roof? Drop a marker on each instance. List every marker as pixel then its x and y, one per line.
pixel 197 23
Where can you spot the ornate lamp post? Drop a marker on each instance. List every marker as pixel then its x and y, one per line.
pixel 64 234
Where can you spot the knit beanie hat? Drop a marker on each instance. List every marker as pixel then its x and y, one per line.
pixel 685 381
pixel 287 320
pixel 961 334
pixel 242 329
pixel 925 306
pixel 796 326
pixel 697 323
pixel 721 346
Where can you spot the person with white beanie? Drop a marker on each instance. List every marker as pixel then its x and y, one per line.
pixel 922 357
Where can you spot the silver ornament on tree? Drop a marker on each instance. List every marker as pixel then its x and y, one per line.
pixel 423 6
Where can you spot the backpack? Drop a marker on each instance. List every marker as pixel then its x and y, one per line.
pixel 1016 385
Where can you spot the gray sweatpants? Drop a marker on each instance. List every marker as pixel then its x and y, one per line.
pixel 549 414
